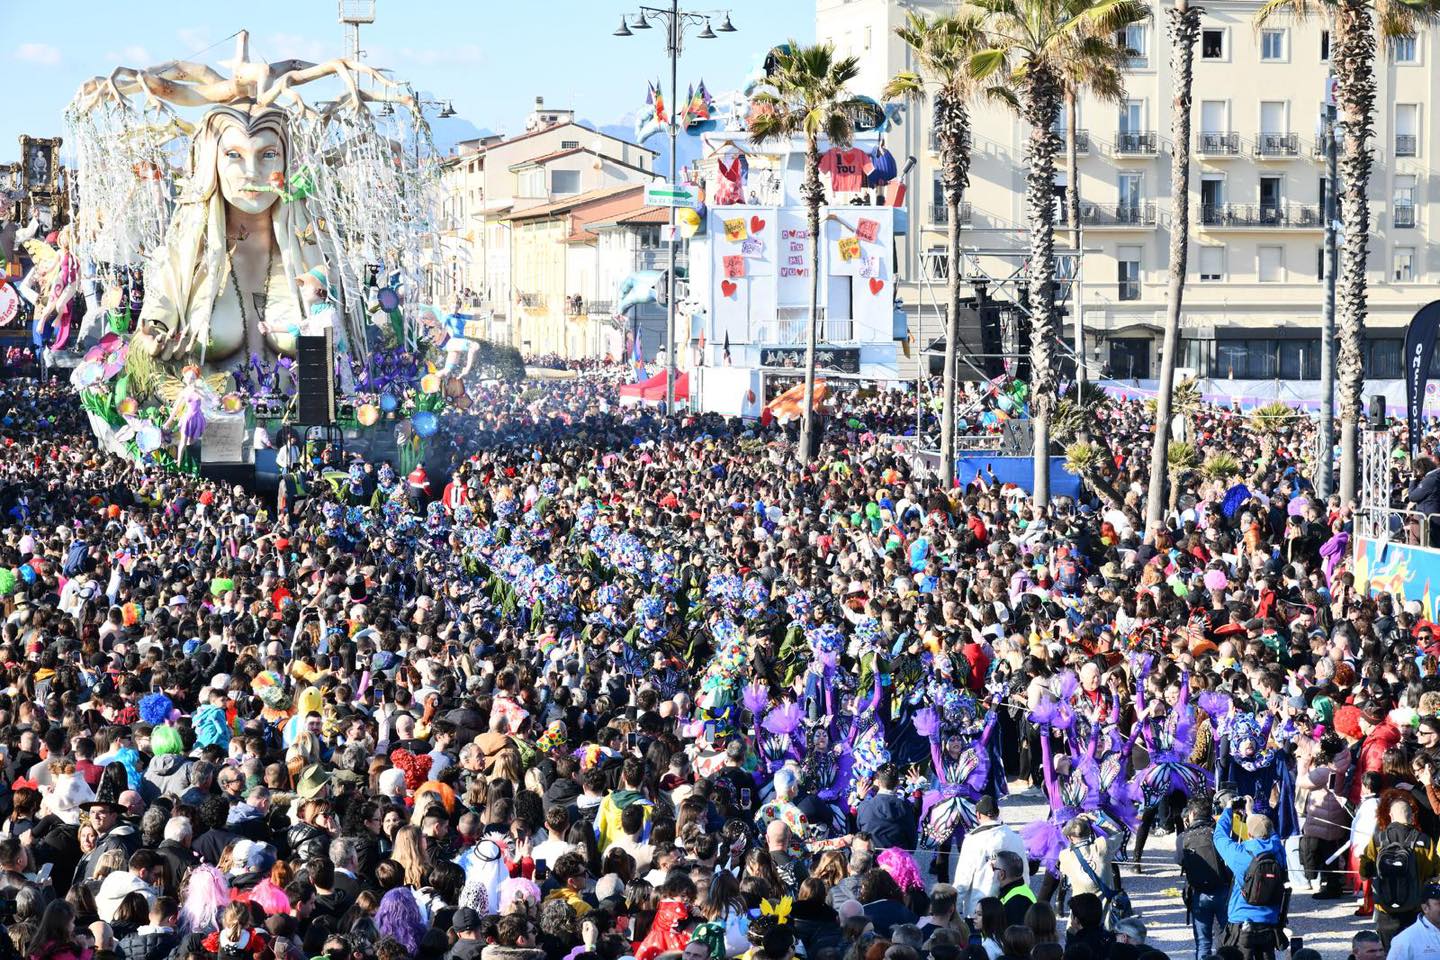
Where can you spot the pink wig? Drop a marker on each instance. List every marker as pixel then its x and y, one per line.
pixel 901 867
pixel 270 898
pixel 518 888
pixel 207 894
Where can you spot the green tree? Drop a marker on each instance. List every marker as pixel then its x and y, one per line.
pixel 1356 26
pixel 807 98
pixel 941 49
pixel 1031 43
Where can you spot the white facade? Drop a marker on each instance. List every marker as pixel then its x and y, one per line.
pixel 1253 294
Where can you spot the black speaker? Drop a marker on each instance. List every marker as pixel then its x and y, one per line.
pixel 1017 438
pixel 1377 411
pixel 315 380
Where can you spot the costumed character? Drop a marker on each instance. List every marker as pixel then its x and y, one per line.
pixel 1261 772
pixel 188 411
pixel 53 285
pixel 960 755
pixel 1171 778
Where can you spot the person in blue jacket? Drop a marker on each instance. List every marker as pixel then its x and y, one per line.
pixel 1253 928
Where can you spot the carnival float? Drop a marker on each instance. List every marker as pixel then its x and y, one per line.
pixel 224 216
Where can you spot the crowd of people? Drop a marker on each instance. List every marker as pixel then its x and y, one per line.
pixel 623 685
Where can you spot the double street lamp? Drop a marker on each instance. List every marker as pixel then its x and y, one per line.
pixel 675 22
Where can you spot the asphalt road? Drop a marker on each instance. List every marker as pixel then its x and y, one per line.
pixel 1325 925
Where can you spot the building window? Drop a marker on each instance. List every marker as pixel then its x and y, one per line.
pixel 1272 45
pixel 1212 43
pixel 1402 49
pixel 1212 263
pixel 564 181
pixel 1407 129
pixel 1135 38
pixel 867 38
pixel 1324 45
pixel 1132 192
pixel 569 144
pixel 1402 211
pixel 1128 260
pixel 1384 359
pixel 1403 265
pixel 1320 263
pixel 1270 264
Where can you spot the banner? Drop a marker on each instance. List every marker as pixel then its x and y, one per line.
pixel 1419 351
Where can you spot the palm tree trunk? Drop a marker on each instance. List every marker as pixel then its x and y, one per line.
pixel 1072 170
pixel 952 124
pixel 1184 29
pixel 1040 104
pixel 814 194
pixel 1354 60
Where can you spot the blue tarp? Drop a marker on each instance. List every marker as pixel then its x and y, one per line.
pixel 1019 471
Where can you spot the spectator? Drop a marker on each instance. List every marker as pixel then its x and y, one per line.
pixel 1086 926
pixel 1207 879
pixel 1400 862
pixel 1320 766
pixel 1421 939
pixel 974 876
pixel 1017 942
pixel 1012 890
pixel 883 902
pixel 887 817
pixel 990 925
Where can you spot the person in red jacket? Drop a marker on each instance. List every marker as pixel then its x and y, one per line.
pixel 1380 735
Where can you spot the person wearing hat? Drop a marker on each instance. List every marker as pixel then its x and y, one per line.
pixel 974 878
pixel 468 944
pixel 106 812
pixel 1420 940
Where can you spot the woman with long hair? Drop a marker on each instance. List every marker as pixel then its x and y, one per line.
pixel 1040 918
pixel 759 865
pixel 409 852
pixel 990 921
pixel 722 903
pixel 816 923
pixel 54 937
pixel 206 895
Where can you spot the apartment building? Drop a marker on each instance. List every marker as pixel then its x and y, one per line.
pixel 1254 290
pixel 489 179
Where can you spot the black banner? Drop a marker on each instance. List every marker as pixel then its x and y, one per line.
pixel 1419 351
pixel 838 359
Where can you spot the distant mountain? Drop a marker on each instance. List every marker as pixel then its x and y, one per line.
pixel 688 147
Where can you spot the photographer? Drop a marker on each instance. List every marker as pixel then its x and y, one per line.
pixel 1257 891
pixel 1207 880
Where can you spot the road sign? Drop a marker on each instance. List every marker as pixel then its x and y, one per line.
pixel 664 194
pixel 1330 89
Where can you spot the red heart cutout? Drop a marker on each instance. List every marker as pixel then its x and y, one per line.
pixel 728 287
pixel 756 224
pixel 876 284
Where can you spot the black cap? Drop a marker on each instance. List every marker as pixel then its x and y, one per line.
pixel 465 920
pixel 987 807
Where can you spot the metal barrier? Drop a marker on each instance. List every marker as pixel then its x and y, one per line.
pixel 1410 527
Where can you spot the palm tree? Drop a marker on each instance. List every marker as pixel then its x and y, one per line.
pixel 1100 72
pixel 808 99
pixel 942 49
pixel 1179 457
pixel 1355 27
pixel 1031 42
pixel 1184 30
pixel 1083 459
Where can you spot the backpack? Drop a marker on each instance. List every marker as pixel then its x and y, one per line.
pixel 1264 883
pixel 1200 862
pixel 1397 875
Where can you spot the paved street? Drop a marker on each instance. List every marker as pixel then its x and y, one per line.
pixel 1326 925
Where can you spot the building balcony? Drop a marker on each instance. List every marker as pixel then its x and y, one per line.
pixel 1082 140
pixel 1217 144
pixel 1402 214
pixel 1406 145
pixel 940 213
pixel 1122 216
pixel 1264 216
pixel 1136 143
pixel 531 301
pixel 600 308
pixel 1277 146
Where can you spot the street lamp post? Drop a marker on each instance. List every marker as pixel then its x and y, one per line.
pixel 675 21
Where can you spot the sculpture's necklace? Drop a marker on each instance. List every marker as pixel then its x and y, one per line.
pixel 259 300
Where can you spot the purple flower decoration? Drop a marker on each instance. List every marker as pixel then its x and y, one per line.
pixel 756 696
pixel 783 719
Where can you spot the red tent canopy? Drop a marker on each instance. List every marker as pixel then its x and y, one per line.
pixel 653 389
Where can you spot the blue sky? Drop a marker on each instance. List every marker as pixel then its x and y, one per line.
pixel 491 58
